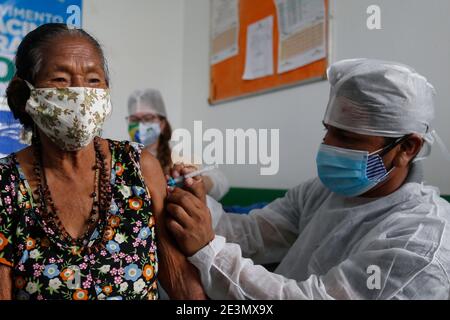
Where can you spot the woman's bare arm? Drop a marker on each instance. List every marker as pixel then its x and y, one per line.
pixel 179 278
pixel 5 282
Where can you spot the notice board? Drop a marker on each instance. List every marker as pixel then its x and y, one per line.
pixel 226 77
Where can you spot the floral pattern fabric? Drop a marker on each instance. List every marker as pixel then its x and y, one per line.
pixel 119 262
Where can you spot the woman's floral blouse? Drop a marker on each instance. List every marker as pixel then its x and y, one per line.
pixel 119 262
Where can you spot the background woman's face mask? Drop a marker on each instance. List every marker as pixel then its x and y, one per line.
pixel 146 133
pixel 70 117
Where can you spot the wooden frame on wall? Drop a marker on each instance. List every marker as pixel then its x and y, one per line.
pixel 226 83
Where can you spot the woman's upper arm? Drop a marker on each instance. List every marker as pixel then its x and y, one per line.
pixel 178 277
pixel 155 181
pixel 5 282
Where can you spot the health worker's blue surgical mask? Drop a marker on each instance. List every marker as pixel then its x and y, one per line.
pixel 352 173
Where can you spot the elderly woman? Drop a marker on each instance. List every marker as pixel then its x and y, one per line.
pixel 148 124
pixel 79 215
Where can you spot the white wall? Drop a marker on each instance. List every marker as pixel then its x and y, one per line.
pixel 415 32
pixel 165 44
pixel 143 43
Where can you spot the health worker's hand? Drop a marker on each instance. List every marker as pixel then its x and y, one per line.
pixel 189 221
pixel 195 185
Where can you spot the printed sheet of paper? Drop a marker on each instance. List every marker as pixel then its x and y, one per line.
pixel 224 30
pixel 259 53
pixel 301 25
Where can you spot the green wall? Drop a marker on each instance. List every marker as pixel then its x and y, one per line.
pixel 249 196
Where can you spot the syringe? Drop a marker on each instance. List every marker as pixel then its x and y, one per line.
pixel 176 181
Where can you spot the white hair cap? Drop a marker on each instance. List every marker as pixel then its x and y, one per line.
pixel 379 98
pixel 148 100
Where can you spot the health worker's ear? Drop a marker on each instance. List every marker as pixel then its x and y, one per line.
pixel 407 151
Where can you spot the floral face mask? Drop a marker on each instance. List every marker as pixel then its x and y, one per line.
pixel 70 117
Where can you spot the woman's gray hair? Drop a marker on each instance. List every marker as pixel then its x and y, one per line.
pixel 29 58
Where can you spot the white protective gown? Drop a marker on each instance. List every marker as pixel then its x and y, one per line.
pixel 331 247
pixel 220 184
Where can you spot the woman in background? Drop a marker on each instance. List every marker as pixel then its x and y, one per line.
pixel 148 125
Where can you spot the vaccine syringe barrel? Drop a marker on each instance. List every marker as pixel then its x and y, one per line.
pixel 172 182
